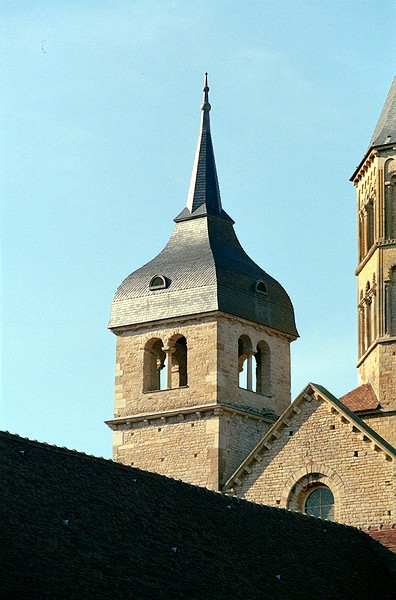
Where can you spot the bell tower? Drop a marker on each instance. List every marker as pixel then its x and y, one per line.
pixel 202 343
pixel 375 182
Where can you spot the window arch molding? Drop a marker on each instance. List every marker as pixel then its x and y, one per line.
pixel 305 480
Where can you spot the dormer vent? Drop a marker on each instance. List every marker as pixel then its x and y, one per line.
pixel 261 287
pixel 158 282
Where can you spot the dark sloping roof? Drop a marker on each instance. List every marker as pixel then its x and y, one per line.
pixel 77 527
pixel 361 398
pixel 204 265
pixel 204 192
pixel 385 130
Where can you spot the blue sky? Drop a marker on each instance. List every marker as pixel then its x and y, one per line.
pixel 101 116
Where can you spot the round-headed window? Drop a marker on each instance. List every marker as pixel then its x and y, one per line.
pixel 320 503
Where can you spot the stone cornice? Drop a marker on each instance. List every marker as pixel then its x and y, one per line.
pixel 180 321
pixel 198 411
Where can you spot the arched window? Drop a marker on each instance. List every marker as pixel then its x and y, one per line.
pixel 263 369
pixel 392 302
pixel 179 362
pixel 320 503
pixel 154 363
pixel 390 199
pixel 245 354
pixel 369 225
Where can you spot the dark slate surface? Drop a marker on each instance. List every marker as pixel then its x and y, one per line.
pixel 205 265
pixel 386 125
pixel 78 527
pixel 208 270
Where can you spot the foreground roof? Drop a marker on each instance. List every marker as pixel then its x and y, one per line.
pixel 75 526
pixel 203 268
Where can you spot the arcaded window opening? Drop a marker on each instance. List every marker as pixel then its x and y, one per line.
pixel 263 369
pixel 390 298
pixel 179 363
pixel 369 225
pixel 245 371
pixel 154 363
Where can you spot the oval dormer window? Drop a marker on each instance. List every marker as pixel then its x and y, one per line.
pixel 261 287
pixel 158 282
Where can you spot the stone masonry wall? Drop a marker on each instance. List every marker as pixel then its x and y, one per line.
pixel 385 425
pixel 130 399
pixel 238 436
pixel 230 329
pixel 319 442
pixel 185 449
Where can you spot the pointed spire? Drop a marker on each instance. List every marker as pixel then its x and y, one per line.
pixel 385 130
pixel 204 192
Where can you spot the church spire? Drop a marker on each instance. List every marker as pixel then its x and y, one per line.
pixel 385 130
pixel 204 193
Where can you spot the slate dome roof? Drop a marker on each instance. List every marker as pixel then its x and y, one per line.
pixel 203 267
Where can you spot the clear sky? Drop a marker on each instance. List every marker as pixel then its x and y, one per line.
pixel 101 116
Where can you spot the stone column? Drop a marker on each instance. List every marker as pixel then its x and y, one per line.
pixel 168 365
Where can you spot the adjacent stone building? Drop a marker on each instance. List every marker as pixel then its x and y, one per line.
pixel 203 336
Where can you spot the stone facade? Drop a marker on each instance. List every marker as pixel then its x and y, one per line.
pixel 199 431
pixel 317 446
pixel 202 390
pixel 384 424
pixel 375 182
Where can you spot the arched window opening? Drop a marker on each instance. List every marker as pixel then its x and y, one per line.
pixel 390 199
pixel 320 503
pixel 361 237
pixel 392 302
pixel 154 366
pixel 179 363
pixel 263 369
pixel 369 225
pixel 245 353
pixel 369 328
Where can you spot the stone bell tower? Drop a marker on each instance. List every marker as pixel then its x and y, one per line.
pixel 203 344
pixel 375 181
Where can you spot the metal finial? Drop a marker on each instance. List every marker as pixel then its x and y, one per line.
pixel 205 103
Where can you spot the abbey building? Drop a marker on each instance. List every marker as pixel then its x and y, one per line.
pixel 203 334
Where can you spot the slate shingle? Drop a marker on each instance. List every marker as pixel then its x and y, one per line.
pixel 124 526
